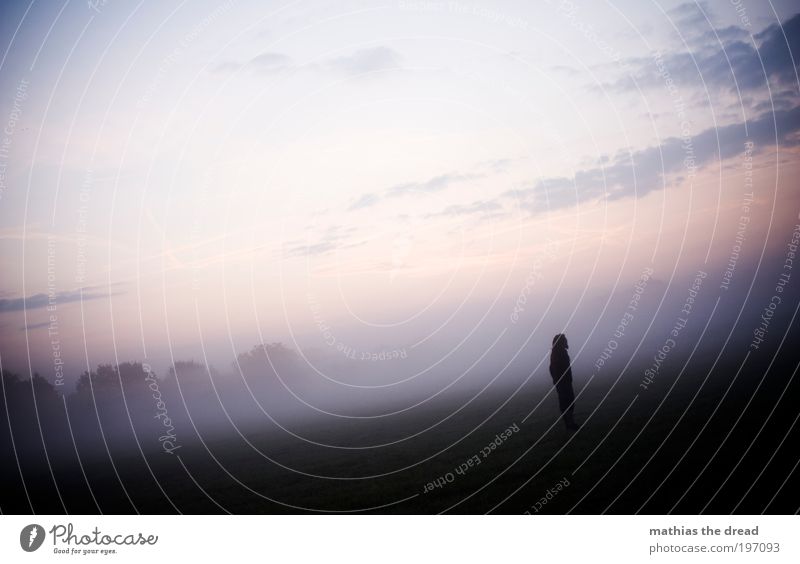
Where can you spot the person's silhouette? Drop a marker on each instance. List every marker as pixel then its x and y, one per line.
pixel 561 372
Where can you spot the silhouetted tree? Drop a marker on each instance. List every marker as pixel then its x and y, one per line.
pixel 262 358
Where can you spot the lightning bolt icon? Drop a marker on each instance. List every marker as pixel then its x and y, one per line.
pixel 34 534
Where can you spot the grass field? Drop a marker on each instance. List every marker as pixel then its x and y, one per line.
pixel 654 451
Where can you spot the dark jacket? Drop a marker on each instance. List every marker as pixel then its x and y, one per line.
pixel 560 369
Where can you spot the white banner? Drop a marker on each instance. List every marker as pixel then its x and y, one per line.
pixel 401 539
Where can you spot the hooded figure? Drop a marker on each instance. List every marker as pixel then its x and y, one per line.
pixel 561 373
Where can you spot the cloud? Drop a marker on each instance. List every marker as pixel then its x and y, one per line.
pixel 37 301
pixel 365 201
pixel 565 69
pixel 226 66
pixel 365 61
pixel 484 208
pixel 719 35
pixel 435 184
pixel 639 172
pixel 35 326
pixel 265 62
pixel 360 62
pixel 270 61
pixel 690 15
pixel 331 239
pixel 497 166
pixel 783 100
pixel 780 49
pixel 734 62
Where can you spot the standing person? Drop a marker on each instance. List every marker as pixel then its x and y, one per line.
pixel 561 372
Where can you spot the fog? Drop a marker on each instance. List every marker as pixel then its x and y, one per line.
pixel 371 386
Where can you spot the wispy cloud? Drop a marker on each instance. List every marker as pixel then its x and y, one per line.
pixel 360 62
pixel 365 201
pixel 270 60
pixel 364 61
pixel 33 326
pixel 263 62
pixel 226 66
pixel 639 172
pixel 41 300
pixel 331 239
pixel 435 184
pixel 690 15
pixel 483 208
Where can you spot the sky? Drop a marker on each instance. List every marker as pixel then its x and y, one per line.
pixel 377 180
